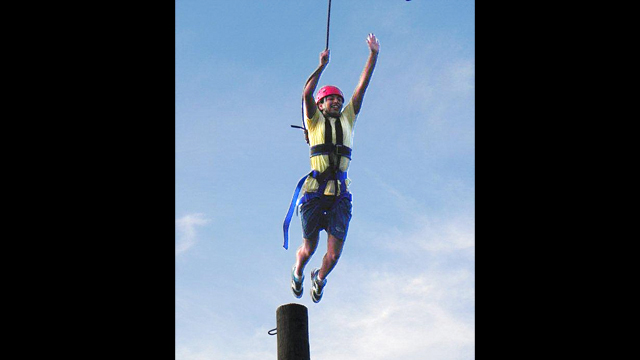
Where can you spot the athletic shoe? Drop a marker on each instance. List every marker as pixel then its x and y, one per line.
pixel 296 284
pixel 318 286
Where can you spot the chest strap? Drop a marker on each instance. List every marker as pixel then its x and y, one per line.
pixel 326 149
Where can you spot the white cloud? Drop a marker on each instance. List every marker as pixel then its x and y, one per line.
pixel 416 301
pixel 436 236
pixel 186 231
pixel 399 317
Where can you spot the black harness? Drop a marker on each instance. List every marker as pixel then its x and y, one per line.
pixel 335 152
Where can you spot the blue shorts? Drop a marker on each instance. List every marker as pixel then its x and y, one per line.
pixel 321 213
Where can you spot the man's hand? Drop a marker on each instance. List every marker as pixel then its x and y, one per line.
pixel 373 43
pixel 324 58
pixel 358 94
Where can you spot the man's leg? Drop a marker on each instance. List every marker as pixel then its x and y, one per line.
pixel 330 259
pixel 304 253
pixel 339 218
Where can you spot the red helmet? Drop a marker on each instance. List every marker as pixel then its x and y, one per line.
pixel 326 91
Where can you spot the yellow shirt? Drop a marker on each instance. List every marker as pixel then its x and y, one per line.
pixel 316 129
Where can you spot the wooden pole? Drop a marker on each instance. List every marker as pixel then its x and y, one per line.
pixel 293 332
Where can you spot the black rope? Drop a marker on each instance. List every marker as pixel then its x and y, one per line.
pixel 304 126
pixel 328 20
pixel 273 331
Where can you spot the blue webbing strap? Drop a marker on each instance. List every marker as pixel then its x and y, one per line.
pixel 287 219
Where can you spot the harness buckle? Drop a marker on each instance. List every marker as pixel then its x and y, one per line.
pixel 343 150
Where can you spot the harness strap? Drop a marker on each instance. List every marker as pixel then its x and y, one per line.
pixel 329 175
pixel 327 131
pixel 308 196
pixel 287 219
pixel 334 159
pixel 326 149
pixel 339 137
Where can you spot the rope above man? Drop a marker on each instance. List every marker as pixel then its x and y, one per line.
pixel 326 202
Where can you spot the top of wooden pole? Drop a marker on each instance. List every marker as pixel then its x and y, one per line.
pixel 292 305
pixel 293 332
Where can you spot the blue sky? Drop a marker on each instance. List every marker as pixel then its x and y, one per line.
pixel 405 285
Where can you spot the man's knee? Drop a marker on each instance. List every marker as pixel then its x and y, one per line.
pixel 308 247
pixel 333 256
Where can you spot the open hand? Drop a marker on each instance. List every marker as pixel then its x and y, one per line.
pixel 373 43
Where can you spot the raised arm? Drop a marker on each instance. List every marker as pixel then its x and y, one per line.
pixel 310 104
pixel 358 94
